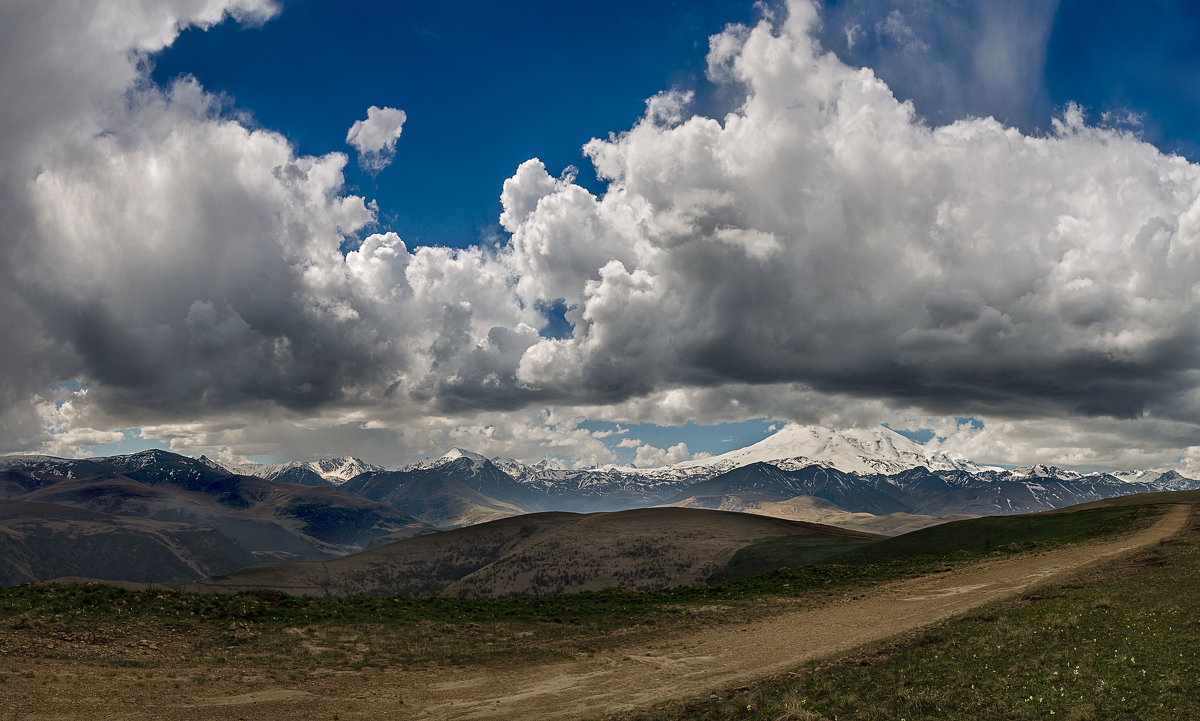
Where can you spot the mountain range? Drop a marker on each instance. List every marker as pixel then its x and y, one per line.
pixel 321 472
pixel 129 498
pixel 198 518
pixel 874 479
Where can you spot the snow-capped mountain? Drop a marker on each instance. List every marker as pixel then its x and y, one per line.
pixel 853 450
pixel 1137 476
pixel 872 470
pixel 449 456
pixel 38 463
pixel 877 452
pixel 335 471
pixel 1162 480
pixel 46 466
pixel 857 450
pixel 793 447
pixel 339 470
pixel 212 464
pixel 915 491
pixel 1168 481
pixel 1041 470
pixel 528 472
pixel 866 462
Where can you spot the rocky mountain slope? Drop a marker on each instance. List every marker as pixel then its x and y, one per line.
pixel 255 519
pixel 321 472
pixel 455 490
pixel 41 541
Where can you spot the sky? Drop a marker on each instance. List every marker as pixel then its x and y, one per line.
pixel 285 230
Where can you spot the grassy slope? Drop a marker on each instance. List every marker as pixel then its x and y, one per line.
pixel 541 554
pixel 545 554
pixel 957 540
pixel 770 554
pixel 272 630
pixel 983 535
pixel 42 540
pixel 1121 642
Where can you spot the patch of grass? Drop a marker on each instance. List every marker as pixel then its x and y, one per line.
pixel 1121 642
pixel 768 554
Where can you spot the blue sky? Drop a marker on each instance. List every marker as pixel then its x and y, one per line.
pixel 227 291
pixel 489 85
pixel 1140 57
pixel 486 86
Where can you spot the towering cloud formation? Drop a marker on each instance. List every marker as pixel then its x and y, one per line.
pixel 821 238
pixel 823 233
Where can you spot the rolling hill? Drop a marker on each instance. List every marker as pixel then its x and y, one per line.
pixel 542 554
pixel 40 541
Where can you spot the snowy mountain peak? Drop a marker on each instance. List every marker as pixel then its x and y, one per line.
pixel 335 470
pixel 449 456
pixel 529 472
pixel 11 460
pixel 148 458
pixel 212 464
pixel 339 470
pixel 1040 470
pixel 455 453
pixel 857 450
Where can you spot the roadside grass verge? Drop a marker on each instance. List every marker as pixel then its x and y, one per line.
pixel 964 540
pixel 1119 642
pixel 979 537
pixel 274 630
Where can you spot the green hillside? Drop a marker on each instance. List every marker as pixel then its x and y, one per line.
pixel 1121 641
pixel 954 541
pixel 544 554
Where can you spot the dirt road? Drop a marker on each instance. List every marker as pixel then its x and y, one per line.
pixel 673 668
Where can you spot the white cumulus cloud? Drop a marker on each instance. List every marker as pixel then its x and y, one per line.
pixel 648 456
pixel 375 138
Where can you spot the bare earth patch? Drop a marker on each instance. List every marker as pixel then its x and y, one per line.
pixel 682 665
